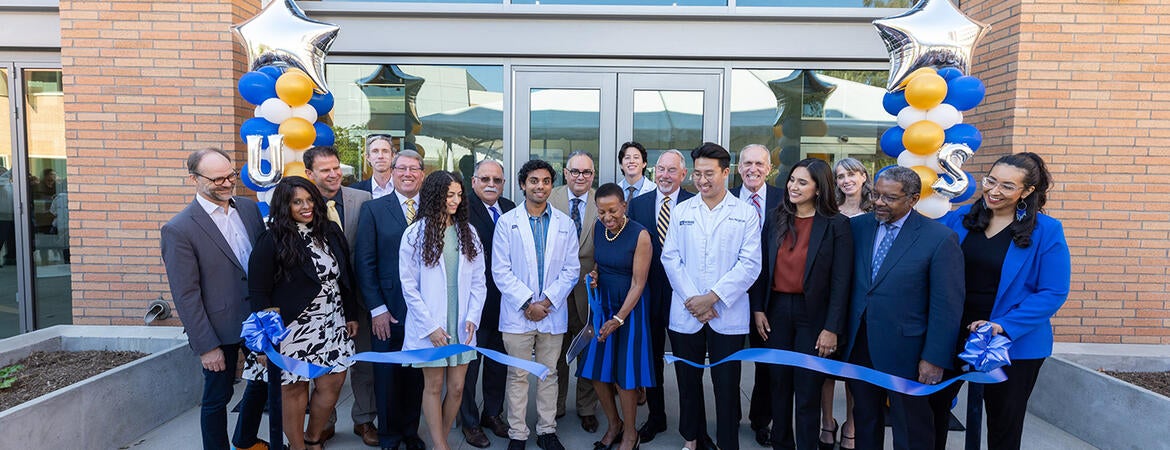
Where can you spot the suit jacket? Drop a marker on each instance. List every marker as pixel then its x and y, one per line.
pixel 481 219
pixel 293 293
pixel 425 290
pixel 352 200
pixel 208 283
pixel 380 226
pixel 1033 285
pixel 364 185
pixel 913 307
pixel 828 270
pixel 559 199
pixel 761 288
pixel 644 210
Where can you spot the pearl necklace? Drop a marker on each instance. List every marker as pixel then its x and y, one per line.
pixel 619 231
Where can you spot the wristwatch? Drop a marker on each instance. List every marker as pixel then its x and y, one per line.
pixel 526 304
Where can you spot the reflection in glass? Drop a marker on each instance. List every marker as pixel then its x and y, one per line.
pixel 9 309
pixel 563 121
pixel 805 113
pixel 45 137
pixel 625 2
pixel 829 3
pixel 452 115
pixel 665 120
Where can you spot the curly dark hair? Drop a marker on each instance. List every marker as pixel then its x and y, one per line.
pixel 784 216
pixel 290 247
pixel 433 207
pixel 1036 175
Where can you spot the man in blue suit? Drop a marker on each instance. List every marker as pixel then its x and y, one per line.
pixel 908 288
pixel 652 210
pixel 381 222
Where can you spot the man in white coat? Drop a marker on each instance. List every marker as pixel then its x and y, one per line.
pixel 534 263
pixel 711 257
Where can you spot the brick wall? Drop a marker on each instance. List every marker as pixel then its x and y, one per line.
pixel 146 82
pixel 1086 84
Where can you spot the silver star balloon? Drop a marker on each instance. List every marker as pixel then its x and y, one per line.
pixel 282 33
pixel 932 33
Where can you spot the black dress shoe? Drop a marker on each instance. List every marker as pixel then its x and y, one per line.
pixel 516 444
pixel 764 436
pixel 476 438
pixel 708 444
pixel 649 431
pixel 496 424
pixel 589 423
pixel 549 442
pixel 414 443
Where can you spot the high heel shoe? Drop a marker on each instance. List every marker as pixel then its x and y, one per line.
pixel 850 438
pixel 821 444
pixel 598 445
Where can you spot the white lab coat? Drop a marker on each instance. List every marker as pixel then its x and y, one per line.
pixel 425 290
pixel 514 269
pixel 712 250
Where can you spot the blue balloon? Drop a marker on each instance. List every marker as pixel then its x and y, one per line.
pixel 324 134
pixel 265 166
pixel 964 92
pixel 323 103
pixel 883 169
pixel 949 73
pixel 263 206
pixel 972 185
pixel 891 142
pixel 964 133
pixel 258 127
pixel 272 71
pixel 894 102
pixel 256 87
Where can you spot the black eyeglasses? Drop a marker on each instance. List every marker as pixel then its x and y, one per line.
pixel 580 173
pixel 221 181
pixel 885 198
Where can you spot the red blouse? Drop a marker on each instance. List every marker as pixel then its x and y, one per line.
pixel 788 276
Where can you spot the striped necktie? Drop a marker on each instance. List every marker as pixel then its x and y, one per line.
pixel 663 220
pixel 410 212
pixel 756 203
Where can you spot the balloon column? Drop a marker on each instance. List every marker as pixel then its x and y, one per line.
pixel 930 47
pixel 286 50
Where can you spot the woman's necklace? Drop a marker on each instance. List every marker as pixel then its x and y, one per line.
pixel 619 231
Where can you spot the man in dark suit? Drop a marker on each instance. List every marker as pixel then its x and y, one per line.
pixel 380 153
pixel 908 289
pixel 486 205
pixel 652 210
pixel 381 222
pixel 323 167
pixel 205 249
pixel 755 163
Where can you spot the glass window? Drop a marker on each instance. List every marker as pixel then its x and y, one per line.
pixel 827 114
pixel 665 120
pixel 45 139
pixel 829 3
pixel 625 2
pixel 561 122
pixel 452 115
pixel 9 309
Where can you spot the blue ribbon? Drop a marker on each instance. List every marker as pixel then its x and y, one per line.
pixel 262 331
pixel 846 370
pixel 432 354
pixel 986 352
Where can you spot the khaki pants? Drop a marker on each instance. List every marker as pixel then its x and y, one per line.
pixel 548 351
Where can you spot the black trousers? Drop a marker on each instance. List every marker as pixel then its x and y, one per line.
pixel 398 391
pixel 912 417
pixel 656 396
pixel 696 347
pixel 793 329
pixel 760 408
pixel 1005 404
pixel 495 375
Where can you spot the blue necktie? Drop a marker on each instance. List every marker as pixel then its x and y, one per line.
pixel 575 214
pixel 495 214
pixel 883 249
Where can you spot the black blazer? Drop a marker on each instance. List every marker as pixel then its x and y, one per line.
pixel 293 295
pixel 761 289
pixel 380 227
pixel 828 270
pixel 364 185
pixel 481 219
pixel 644 210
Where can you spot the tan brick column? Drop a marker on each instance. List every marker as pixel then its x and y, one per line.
pixel 146 82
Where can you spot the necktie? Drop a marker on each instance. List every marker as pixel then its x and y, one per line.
pixel 495 214
pixel 630 193
pixel 331 212
pixel 663 220
pixel 756 202
pixel 410 210
pixel 575 214
pixel 883 249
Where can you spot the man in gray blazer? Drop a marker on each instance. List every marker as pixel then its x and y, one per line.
pixel 205 249
pixel 323 167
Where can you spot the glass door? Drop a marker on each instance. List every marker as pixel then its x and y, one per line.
pixel 10 304
pixel 668 111
pixel 558 113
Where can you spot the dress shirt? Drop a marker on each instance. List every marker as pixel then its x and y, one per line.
pixel 881 231
pixel 339 205
pixel 401 203
pixel 499 211
pixel 539 226
pixel 377 191
pixel 231 226
pixel 580 206
pixel 659 196
pixel 712 250
pixel 641 187
pixel 745 194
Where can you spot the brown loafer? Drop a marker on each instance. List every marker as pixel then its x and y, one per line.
pixel 589 423
pixel 367 432
pixel 476 438
pixel 496 424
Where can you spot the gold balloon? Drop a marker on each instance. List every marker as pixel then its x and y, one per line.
pixel 928 177
pixel 926 91
pixel 922 137
pixel 299 133
pixel 915 74
pixel 296 89
pixel 294 169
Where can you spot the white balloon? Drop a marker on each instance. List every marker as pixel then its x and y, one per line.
pixel 305 112
pixel 909 159
pixel 274 110
pixel 265 196
pixel 934 206
pixel 945 116
pixel 909 116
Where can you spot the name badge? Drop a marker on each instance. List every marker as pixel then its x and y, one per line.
pixel 736 219
pixel 686 222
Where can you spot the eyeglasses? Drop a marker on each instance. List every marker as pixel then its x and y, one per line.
pixel 1006 188
pixel 408 169
pixel 667 170
pixel 490 180
pixel 221 181
pixel 885 198
pixel 581 173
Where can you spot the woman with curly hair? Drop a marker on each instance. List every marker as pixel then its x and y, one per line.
pixel 442 268
pixel 300 268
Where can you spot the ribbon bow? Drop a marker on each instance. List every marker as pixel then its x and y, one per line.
pixel 262 331
pixel 984 351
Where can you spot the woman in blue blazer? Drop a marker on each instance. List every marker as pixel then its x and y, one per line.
pixel 1018 270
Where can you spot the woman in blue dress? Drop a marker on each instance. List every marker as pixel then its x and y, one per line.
pixel 620 355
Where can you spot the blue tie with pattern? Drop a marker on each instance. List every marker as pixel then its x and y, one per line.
pixel 495 214
pixel 883 249
pixel 575 214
